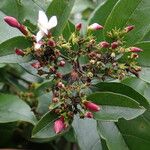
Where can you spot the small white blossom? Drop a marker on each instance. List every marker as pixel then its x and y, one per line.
pixel 44 25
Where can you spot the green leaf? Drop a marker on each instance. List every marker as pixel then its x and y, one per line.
pixel 14 109
pixel 128 12
pixel 43 103
pixel 112 99
pixel 144 57
pixel 21 10
pixel 124 90
pixel 13 58
pixel 113 113
pixel 135 132
pixel 110 133
pixel 100 15
pixel 144 74
pixel 136 83
pixel 62 11
pixel 86 134
pixel 6 32
pixel 8 47
pixel 44 130
pixel 68 30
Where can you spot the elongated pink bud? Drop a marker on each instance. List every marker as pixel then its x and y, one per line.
pixel 19 52
pixel 88 115
pixel 135 49
pixel 78 26
pixel 91 106
pixel 59 125
pixel 129 28
pixel 13 22
pixel 95 26
pixel 36 65
pixel 104 44
pixel 23 29
pixel 114 45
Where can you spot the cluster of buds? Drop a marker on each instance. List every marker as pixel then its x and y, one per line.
pixel 102 62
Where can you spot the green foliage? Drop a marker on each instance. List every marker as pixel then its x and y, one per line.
pixel 123 121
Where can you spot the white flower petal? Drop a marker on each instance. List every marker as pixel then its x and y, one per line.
pixel 39 35
pixel 52 22
pixel 37 46
pixel 42 20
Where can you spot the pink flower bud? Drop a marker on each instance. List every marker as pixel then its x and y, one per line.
pixel 59 125
pixel 114 45
pixel 55 100
pixel 104 44
pixel 58 75
pixel 78 26
pixel 91 106
pixel 89 115
pixel 60 85
pixel 135 49
pixel 23 29
pixel 129 28
pixel 95 26
pixel 62 63
pixel 36 65
pixel 51 43
pixel 12 21
pixel 19 52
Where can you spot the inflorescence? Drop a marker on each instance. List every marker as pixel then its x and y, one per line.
pixel 103 60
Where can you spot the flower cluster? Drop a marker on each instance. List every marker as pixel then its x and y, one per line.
pixel 91 61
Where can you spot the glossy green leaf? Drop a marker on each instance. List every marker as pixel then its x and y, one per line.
pixel 43 103
pixel 62 11
pixel 14 109
pixel 8 47
pixel 122 89
pixel 112 99
pixel 144 57
pixel 135 132
pixel 44 130
pixel 136 83
pixel 113 113
pixel 129 12
pixel 100 15
pixel 110 133
pixel 144 74
pixel 86 134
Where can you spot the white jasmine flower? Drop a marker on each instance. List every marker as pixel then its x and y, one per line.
pixel 44 25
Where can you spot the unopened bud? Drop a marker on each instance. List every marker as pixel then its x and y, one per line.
pixel 134 55
pixel 74 75
pixel 51 43
pixel 89 115
pixel 114 45
pixel 92 54
pixel 95 26
pixel 55 100
pixel 58 75
pixel 91 106
pixel 113 54
pixel 19 52
pixel 59 125
pixel 52 69
pixel 57 53
pixel 78 26
pixel 36 65
pixel 135 49
pixel 60 85
pixel 92 61
pixel 104 44
pixel 23 29
pixel 62 63
pixel 129 28
pixel 12 21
